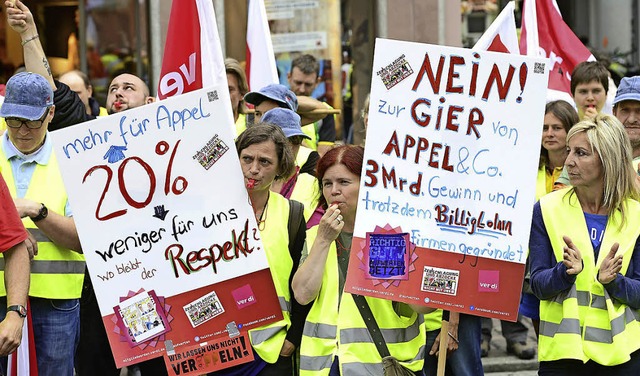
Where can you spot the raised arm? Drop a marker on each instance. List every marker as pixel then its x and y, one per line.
pixel 20 19
pixel 308 279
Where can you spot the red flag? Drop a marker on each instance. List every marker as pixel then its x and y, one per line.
pixel 501 36
pixel 192 55
pixel 545 34
pixel 261 63
pixel 23 362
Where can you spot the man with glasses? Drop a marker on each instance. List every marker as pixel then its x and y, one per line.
pixel 31 171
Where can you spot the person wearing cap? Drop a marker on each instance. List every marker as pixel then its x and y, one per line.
pixel 298 186
pixel 279 96
pixel 626 107
pixel 303 79
pixel 31 170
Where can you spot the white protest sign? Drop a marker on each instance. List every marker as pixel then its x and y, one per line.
pixel 451 156
pixel 159 202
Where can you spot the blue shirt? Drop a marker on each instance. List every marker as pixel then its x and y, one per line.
pixel 23 165
pixel 549 277
pixel 596 223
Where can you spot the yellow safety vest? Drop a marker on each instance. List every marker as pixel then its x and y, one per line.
pixel 56 272
pixel 541 183
pixel 303 155
pixel 433 320
pixel 319 337
pixel 312 130
pixel 307 192
pixel 267 340
pixel 331 329
pixel 241 124
pixel 584 322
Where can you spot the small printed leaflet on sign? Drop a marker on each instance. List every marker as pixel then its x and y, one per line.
pixel 168 259
pixel 448 180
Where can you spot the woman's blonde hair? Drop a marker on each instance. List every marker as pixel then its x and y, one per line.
pixel 608 138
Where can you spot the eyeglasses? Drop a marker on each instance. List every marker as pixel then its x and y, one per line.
pixel 31 124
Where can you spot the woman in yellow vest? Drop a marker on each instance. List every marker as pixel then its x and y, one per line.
pixel 265 155
pixel 559 117
pixel 585 258
pixel 335 339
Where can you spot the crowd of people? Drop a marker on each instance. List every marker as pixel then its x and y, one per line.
pixel 303 189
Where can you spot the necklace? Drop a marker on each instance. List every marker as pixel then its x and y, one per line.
pixel 261 220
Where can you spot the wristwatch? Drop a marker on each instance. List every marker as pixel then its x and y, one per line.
pixel 19 309
pixel 41 215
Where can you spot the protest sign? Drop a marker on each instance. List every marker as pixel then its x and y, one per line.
pixel 448 180
pixel 170 239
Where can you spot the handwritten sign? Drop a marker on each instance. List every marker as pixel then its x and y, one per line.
pixel 209 356
pixel 164 219
pixel 449 177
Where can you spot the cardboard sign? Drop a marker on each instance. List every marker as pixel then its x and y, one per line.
pixel 448 181
pixel 164 219
pixel 209 356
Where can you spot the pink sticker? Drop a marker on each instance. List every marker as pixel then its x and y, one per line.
pixel 243 296
pixel 489 281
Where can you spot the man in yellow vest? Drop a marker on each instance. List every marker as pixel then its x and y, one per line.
pixel 31 170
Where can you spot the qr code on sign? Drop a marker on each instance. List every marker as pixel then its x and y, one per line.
pixel 212 95
pixel 538 68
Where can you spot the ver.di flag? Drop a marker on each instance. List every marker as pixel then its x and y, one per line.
pixel 192 56
pixel 545 34
pixel 261 64
pixel 501 36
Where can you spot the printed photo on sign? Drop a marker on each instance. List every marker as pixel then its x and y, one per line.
pixel 141 317
pixel 441 281
pixel 387 256
pixel 211 152
pixel 204 309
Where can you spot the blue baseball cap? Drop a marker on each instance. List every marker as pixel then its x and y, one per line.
pixel 629 90
pixel 27 96
pixel 286 119
pixel 275 92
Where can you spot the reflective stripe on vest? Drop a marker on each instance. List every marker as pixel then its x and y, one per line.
pixel 268 340
pixel 584 322
pixel 56 272
pixel 405 337
pixel 375 369
pixel 319 337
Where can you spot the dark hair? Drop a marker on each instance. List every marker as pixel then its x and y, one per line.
pixel 263 132
pixel 307 64
pixel 351 156
pixel 588 71
pixel 568 118
pixel 233 67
